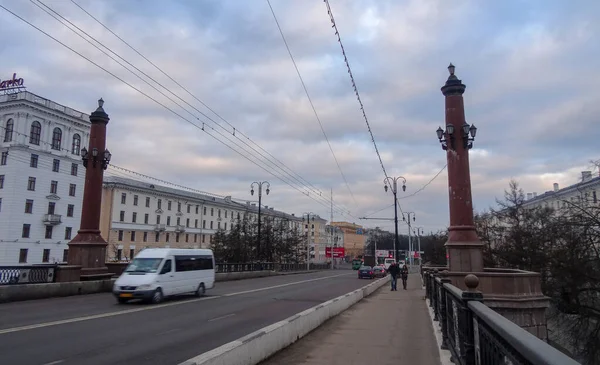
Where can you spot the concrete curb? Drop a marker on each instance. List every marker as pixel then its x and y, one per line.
pixel 260 345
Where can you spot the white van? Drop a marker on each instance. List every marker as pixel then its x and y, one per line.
pixel 156 273
pixel 388 262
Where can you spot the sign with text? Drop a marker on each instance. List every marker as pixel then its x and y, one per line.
pixel 12 83
pixel 337 252
pixel 383 253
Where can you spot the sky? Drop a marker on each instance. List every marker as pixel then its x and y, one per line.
pixel 531 70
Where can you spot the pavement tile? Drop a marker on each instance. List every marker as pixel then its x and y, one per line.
pixel 384 328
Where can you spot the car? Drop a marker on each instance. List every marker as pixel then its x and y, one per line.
pixel 379 271
pixel 366 272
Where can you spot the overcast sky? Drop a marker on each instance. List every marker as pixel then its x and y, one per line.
pixel 531 70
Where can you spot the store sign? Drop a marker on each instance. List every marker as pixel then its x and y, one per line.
pixel 337 252
pixel 10 84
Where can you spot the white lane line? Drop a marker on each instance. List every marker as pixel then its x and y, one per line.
pixel 222 317
pixel 54 362
pixel 150 307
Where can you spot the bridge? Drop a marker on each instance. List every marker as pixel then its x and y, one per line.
pixel 388 326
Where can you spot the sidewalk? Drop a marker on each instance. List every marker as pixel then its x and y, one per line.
pixel 385 328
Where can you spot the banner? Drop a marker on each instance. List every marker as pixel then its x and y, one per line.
pixel 337 252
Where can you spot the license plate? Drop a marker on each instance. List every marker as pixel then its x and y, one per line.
pixel 126 295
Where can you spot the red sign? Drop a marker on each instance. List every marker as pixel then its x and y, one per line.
pixel 337 252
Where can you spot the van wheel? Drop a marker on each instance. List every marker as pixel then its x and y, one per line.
pixel 157 297
pixel 201 290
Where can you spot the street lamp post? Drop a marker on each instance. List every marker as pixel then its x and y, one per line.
pixel 259 185
pixel 463 248
pixel 88 249
pixel 310 217
pixel 410 245
pixel 418 232
pixel 393 182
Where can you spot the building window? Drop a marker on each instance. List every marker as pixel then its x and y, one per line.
pixel 196 223
pixel 204 210
pixel 176 237
pixel 119 254
pixel 197 208
pixel 145 237
pixel 1 181
pixel 0 204
pixel 122 216
pixel 225 226
pixel 56 165
pixel 9 130
pixel 123 198
pixel 35 132
pixel 135 200
pixel 146 217
pixel 158 219
pixel 147 202
pixel 72 188
pixel 168 221
pixel 68 231
pixel 219 213
pixel 167 237
pixel 70 210
pixel 203 224
pixel 169 205
pixel 46 255
pixel 157 237
pixel 75 147
pixel 23 255
pixel 131 253
pixel 31 184
pixel 159 203
pixel 4 158
pixel 187 222
pixel 212 212
pixel 203 238
pixel 33 162
pixel 218 225
pixel 134 217
pixel 74 169
pixel 211 224
pixel 26 231
pixel 189 207
pixel 56 139
pixel 179 207
pixel 28 206
pixel 195 237
pixel 187 237
pixel 120 237
pixel 594 197
pixel 53 187
pixel 132 236
pixel 51 207
pixel 48 234
pixel 225 214
pixel 178 221
pixel 65 255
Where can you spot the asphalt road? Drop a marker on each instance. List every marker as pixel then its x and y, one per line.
pixel 94 330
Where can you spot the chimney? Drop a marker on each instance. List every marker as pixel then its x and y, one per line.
pixel 534 194
pixel 556 187
pixel 586 176
pixel 529 196
pixel 266 207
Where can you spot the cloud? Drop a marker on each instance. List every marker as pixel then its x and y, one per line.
pixel 529 68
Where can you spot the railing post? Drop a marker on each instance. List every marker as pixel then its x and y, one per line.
pixel 431 288
pixel 443 308
pixel 466 319
pixel 436 296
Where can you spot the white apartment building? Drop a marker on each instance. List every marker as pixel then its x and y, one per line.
pixel 41 178
pixel 138 215
pixel 587 190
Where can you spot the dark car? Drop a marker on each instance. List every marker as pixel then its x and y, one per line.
pixel 366 272
pixel 379 272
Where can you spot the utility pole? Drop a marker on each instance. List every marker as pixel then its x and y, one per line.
pixel 331 228
pixel 259 185
pixel 410 247
pixel 419 232
pixel 393 181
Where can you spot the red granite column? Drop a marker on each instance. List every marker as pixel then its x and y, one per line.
pixel 88 249
pixel 465 250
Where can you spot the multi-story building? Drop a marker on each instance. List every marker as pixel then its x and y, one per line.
pixel 137 215
pixel 354 238
pixel 315 228
pixel 586 190
pixel 41 178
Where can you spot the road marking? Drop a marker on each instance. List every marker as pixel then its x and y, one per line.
pixel 152 307
pixel 54 362
pixel 222 317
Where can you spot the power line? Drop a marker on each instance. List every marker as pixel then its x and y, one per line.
pixel 324 203
pixel 310 101
pixel 424 186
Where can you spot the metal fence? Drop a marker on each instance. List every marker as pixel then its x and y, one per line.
pixel 266 266
pixel 27 274
pixel 477 335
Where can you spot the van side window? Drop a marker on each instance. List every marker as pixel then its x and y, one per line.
pixel 166 267
pixel 193 263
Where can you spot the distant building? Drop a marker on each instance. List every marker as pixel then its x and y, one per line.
pixel 41 178
pixel 315 228
pixel 354 238
pixel 586 190
pixel 137 215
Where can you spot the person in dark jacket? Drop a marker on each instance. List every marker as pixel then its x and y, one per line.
pixel 404 275
pixel 394 270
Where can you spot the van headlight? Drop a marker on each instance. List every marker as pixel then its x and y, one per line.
pixel 144 287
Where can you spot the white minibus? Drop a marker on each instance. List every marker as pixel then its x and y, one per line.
pixel 156 273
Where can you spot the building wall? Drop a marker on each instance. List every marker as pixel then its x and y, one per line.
pixel 587 190
pixel 23 109
pixel 354 239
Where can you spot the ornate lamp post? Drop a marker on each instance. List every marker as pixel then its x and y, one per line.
pixel 410 258
pixel 259 185
pixel 463 247
pixel 88 249
pixel 393 182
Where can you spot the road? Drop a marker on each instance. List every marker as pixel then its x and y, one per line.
pixel 94 330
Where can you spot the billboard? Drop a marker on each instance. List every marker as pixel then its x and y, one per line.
pixel 337 252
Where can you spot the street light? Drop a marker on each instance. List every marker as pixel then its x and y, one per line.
pixel 393 182
pixel 310 217
pixel 259 185
pixel 418 232
pixel 410 249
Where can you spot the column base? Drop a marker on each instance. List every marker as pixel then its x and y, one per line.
pixel 465 256
pixel 88 250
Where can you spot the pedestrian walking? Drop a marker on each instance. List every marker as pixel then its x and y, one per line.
pixel 404 275
pixel 394 270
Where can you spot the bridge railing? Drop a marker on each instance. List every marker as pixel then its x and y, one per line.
pixel 477 335
pixel 27 274
pixel 267 266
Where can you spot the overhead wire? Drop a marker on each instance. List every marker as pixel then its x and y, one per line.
pixel 426 185
pixel 311 103
pixel 324 202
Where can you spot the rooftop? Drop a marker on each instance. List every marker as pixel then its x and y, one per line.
pixel 33 98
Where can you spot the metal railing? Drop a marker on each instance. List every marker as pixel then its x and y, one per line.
pixel 266 266
pixel 477 335
pixel 27 274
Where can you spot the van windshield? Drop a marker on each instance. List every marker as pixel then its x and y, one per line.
pixel 149 265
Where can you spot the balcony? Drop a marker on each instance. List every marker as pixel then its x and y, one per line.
pixel 179 228
pixel 160 227
pixel 52 219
